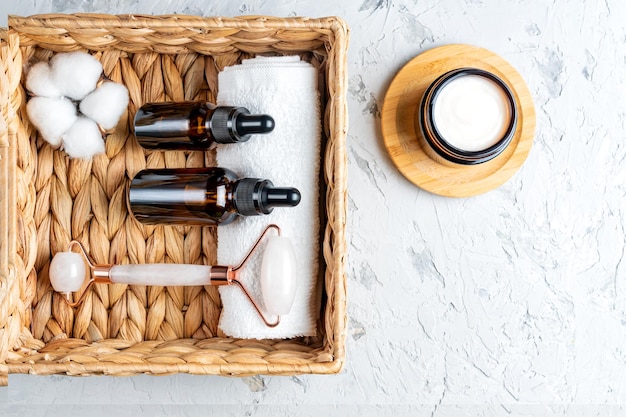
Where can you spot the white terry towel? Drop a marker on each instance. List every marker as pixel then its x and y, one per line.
pixel 286 89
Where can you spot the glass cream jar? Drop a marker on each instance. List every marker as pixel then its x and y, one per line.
pixel 467 116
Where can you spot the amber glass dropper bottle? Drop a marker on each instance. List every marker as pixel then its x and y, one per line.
pixel 203 196
pixel 196 126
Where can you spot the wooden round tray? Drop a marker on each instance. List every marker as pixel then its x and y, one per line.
pixel 400 131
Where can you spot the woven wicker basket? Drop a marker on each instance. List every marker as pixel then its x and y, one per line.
pixel 46 200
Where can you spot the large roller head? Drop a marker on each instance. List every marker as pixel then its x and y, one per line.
pixel 278 275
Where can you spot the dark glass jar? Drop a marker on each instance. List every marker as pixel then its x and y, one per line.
pixel 493 102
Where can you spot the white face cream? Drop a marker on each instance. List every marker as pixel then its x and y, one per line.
pixel 471 113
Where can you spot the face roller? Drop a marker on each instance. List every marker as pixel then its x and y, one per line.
pixel 278 274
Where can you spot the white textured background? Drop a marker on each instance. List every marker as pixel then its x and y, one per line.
pixel 509 303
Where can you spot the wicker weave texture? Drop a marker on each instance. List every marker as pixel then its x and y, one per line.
pixel 47 199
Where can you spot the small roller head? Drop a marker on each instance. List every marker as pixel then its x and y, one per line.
pixel 67 272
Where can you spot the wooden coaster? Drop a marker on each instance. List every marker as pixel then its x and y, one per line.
pixel 400 131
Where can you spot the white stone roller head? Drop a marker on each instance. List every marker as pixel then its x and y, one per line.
pixel 278 275
pixel 67 272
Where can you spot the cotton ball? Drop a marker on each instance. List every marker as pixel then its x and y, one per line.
pixel 76 73
pixel 83 140
pixel 106 104
pixel 39 81
pixel 52 117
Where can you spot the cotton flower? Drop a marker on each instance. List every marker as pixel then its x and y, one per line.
pixel 106 104
pixel 52 117
pixel 74 76
pixel 75 73
pixel 83 140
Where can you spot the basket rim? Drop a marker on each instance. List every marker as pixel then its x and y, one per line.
pixel 131 20
pixel 232 369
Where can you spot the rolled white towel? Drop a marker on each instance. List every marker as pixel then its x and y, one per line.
pixel 286 89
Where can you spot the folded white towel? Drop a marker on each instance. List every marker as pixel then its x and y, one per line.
pixel 286 89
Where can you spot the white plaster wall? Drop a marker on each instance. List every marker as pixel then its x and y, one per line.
pixel 510 303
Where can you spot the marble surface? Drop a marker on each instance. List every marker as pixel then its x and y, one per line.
pixel 509 303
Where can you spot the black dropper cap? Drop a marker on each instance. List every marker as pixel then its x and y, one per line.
pixel 254 196
pixel 236 124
